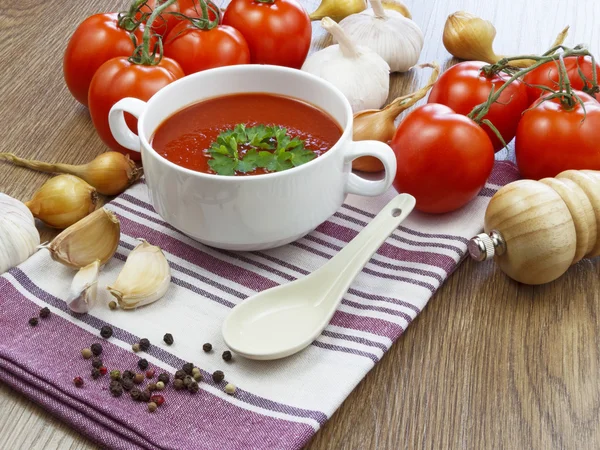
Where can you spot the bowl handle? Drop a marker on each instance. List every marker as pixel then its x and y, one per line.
pixel 118 127
pixel 381 151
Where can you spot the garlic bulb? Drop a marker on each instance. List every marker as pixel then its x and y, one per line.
pixel 360 73
pixel 395 38
pixel 144 279
pixel 19 237
pixel 84 288
pixel 96 237
pixel 338 9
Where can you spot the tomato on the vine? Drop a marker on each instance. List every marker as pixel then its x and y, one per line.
pixel 169 18
pixel 96 40
pixel 464 86
pixel 278 32
pixel 444 158
pixel 119 78
pixel 547 75
pixel 555 135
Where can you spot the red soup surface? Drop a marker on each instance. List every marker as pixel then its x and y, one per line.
pixel 185 137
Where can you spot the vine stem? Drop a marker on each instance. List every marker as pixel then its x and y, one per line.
pixel 147 58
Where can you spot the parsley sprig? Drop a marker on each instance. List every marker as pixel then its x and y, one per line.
pixel 246 149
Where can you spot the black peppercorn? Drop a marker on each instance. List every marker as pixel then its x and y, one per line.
pixel 178 384
pixel 188 368
pixel 180 375
pixel 127 384
pixel 127 374
pixel 143 364
pixel 218 376
pixel 136 394
pixel 106 331
pixel 33 321
pixel 145 397
pixel 97 363
pixel 96 349
pixel 193 387
pixel 227 355
pixel 207 347
pixel 114 383
pixel 44 312
pixel 168 338
pixel 96 373
pixel 187 381
pixel 116 389
pixel 144 344
pixel 164 377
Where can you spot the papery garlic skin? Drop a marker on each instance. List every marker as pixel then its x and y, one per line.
pixel 144 279
pixel 392 36
pixel 19 237
pixel 84 288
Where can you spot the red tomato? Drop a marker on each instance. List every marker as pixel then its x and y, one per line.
pixel 195 49
pixel 118 78
pixel 96 40
pixel 444 158
pixel 547 75
pixel 464 86
pixel 552 138
pixel 278 32
pixel 167 20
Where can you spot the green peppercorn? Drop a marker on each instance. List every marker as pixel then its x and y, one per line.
pixel 218 376
pixel 197 376
pixel 230 389
pixel 143 364
pixel 33 321
pixel 97 363
pixel 127 384
pixel 145 396
pixel 180 375
pixel 187 368
pixel 115 375
pixel 86 353
pixel 187 381
pixel 193 387
pixel 96 349
pixel 116 389
pixel 152 406
pixel 226 355
pixel 207 347
pixel 44 312
pixel 178 384
pixel 106 332
pixel 144 344
pixel 138 378
pixel 164 377
pixel 112 304
pixel 160 386
pixel 128 374
pixel 135 394
pixel 96 373
pixel 168 338
pixel 136 347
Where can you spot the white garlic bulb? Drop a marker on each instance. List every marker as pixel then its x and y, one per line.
pixel 19 237
pixel 395 38
pixel 360 73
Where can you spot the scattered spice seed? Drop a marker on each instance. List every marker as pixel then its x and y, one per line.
pixel 178 384
pixel 143 364
pixel 116 389
pixel 144 344
pixel 227 355
pixel 164 377
pixel 187 381
pixel 112 305
pixel 128 374
pixel 193 387
pixel 168 338
pixel 106 331
pixel 152 407
pixel 138 378
pixel 158 399
pixel 160 386
pixel 102 370
pixel 197 376
pixel 95 373
pixel 151 387
pixel 218 376
pixel 97 363
pixel 180 375
pixel 135 347
pixel 187 368
pixel 207 347
pixel 44 312
pixel 115 375
pixel 78 381
pixel 150 373
pixel 96 349
pixel 127 384
pixel 145 397
pixel 230 389
pixel 86 353
pixel 33 321
pixel 114 383
pixel 135 394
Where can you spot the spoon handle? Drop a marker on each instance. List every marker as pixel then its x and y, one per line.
pixel 341 270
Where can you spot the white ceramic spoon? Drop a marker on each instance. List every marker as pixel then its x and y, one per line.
pixel 285 319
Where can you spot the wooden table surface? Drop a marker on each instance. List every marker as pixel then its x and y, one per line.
pixel 488 364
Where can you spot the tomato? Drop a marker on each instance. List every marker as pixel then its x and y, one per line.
pixel 96 40
pixel 464 86
pixel 278 32
pixel 547 75
pixel 119 78
pixel 444 158
pixel 167 20
pixel 552 138
pixel 196 49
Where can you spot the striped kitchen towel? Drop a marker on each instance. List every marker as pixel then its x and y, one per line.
pixel 278 404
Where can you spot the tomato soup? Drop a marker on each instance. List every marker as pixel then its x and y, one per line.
pixel 186 137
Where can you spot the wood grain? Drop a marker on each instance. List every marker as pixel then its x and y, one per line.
pixel 488 364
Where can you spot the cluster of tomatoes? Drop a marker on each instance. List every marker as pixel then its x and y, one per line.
pixel 112 56
pixel 445 157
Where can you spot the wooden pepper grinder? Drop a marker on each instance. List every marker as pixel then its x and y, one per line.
pixel 536 230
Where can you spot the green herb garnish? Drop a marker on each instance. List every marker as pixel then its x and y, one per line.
pixel 246 149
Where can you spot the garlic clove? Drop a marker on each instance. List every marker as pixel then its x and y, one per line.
pixel 19 238
pixel 397 5
pixel 338 9
pixel 95 237
pixel 144 279
pixel 84 288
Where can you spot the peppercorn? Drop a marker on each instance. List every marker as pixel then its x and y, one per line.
pixel 207 347
pixel 160 386
pixel 96 349
pixel 138 378
pixel 193 387
pixel 86 353
pixel 135 394
pixel 164 377
pixel 97 363
pixel 187 381
pixel 44 312
pixel 218 376
pixel 143 364
pixel 150 373
pixel 128 374
pixel 230 389
pixel 145 397
pixel 152 407
pixel 178 384
pixel 95 373
pixel 106 331
pixel 144 344
pixel 112 304
pixel 78 381
pixel 180 375
pixel 116 389
pixel 158 399
pixel 102 370
pixel 226 355
pixel 168 338
pixel 115 375
pixel 33 321
pixel 187 368
pixel 114 383
pixel 197 376
pixel 135 347
pixel 127 384
pixel 151 387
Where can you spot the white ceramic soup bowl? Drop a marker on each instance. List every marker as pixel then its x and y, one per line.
pixel 250 212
